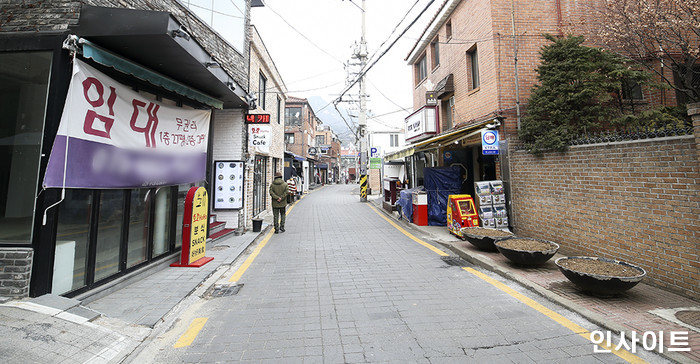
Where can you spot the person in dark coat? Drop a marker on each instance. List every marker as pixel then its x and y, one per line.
pixel 279 191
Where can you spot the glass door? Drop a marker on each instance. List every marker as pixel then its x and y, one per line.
pixel 259 185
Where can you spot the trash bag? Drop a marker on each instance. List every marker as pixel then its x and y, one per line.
pixel 440 183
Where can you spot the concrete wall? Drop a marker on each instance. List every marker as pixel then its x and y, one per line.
pixel 15 271
pixel 636 201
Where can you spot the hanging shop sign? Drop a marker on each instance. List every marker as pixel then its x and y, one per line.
pixel 422 124
pixel 259 137
pixel 194 229
pixel 228 185
pixel 112 137
pixel 489 142
pixel 257 119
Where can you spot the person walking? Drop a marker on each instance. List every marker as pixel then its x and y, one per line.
pixel 292 189
pixel 279 191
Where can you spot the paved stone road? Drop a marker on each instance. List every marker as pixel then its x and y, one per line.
pixel 344 286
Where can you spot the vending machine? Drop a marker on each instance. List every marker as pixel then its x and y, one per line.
pixel 461 213
pixel 491 200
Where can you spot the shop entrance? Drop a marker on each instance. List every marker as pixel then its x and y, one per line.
pixel 464 158
pixel 259 185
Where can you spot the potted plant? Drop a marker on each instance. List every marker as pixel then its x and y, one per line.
pixel 526 251
pixel 600 276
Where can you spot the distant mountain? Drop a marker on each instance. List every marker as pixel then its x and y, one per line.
pixel 329 116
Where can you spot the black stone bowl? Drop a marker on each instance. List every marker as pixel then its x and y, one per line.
pixel 527 257
pixel 482 242
pixel 601 284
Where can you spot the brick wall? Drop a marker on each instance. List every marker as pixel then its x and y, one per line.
pixel 633 201
pixel 228 136
pixel 15 271
pixel 694 112
pixel 261 62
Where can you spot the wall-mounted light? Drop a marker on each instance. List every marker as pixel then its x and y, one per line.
pixel 496 123
pixel 180 33
pixel 231 86
pixel 212 64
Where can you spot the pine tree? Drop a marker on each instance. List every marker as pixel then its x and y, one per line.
pixel 576 87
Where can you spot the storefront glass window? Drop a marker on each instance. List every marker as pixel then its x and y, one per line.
pixel 259 185
pixel 109 233
pixel 161 224
pixel 181 195
pixel 226 17
pixel 137 247
pixel 24 79
pixel 72 241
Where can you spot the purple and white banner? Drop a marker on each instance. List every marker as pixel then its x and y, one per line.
pixel 112 137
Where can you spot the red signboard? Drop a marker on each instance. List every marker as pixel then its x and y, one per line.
pixel 194 229
pixel 257 119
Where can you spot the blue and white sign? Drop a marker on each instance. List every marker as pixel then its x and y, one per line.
pixel 489 142
pixel 375 152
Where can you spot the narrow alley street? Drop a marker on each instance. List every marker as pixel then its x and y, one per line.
pixel 342 285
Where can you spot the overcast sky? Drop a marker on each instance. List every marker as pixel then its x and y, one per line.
pixel 314 67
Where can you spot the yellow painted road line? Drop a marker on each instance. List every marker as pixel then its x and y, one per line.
pixel 625 355
pixel 239 273
pixel 191 333
pixel 399 228
pixel 246 264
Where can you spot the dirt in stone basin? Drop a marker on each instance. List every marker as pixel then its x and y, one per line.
pixel 526 245
pixel 689 317
pixel 491 233
pixel 598 267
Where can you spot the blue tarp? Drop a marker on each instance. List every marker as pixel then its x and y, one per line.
pixel 406 202
pixel 441 182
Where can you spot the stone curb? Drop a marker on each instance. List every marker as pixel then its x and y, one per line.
pixel 552 297
pixel 170 317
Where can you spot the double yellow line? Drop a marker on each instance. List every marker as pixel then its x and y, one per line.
pixel 625 355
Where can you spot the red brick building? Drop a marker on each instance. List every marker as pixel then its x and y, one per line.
pixel 596 199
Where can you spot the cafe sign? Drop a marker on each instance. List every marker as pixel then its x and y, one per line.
pixel 194 229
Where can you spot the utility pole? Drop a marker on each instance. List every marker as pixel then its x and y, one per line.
pixel 362 55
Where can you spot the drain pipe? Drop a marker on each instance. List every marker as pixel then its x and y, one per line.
pixel 515 62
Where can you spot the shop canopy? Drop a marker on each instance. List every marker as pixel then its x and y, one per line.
pixel 154 46
pixel 107 58
pixel 294 156
pixel 438 141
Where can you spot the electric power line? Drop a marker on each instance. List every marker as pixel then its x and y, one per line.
pixel 300 33
pixel 369 66
pixel 394 30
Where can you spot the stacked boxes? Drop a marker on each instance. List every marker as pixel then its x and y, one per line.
pixel 492 204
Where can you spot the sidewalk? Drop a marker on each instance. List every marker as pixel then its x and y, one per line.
pixel 107 326
pixel 644 308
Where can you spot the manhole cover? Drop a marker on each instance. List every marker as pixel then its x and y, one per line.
pixel 219 247
pixel 691 318
pixel 455 261
pixel 223 290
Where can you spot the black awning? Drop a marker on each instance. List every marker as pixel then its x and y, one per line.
pixel 445 86
pixel 148 38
